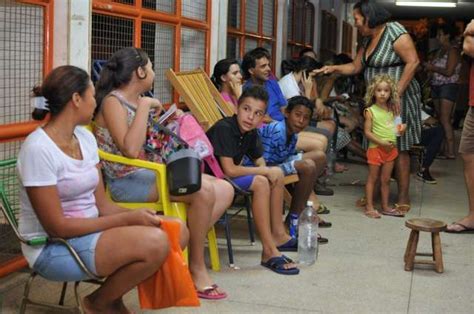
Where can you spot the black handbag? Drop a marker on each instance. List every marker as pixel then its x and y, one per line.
pixel 183 165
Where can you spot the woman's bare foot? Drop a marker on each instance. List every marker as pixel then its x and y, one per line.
pixel 371 212
pixel 203 281
pixel 119 307
pixel 89 307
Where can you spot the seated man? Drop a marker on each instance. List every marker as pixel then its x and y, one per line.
pixel 232 139
pixel 279 145
pixel 257 71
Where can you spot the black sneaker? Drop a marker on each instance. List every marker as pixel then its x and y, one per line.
pixel 426 177
pixel 322 189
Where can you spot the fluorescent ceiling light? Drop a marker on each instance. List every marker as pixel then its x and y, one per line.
pixel 443 4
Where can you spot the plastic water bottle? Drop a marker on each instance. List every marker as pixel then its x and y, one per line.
pixel 308 235
pixel 397 123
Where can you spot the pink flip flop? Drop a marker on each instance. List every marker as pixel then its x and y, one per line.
pixel 206 293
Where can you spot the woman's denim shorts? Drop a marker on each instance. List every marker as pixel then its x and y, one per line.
pixel 134 187
pixel 55 262
pixel 446 91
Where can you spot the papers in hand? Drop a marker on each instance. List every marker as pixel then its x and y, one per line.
pixel 165 116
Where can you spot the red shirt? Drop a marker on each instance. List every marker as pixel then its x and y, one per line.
pixel 471 85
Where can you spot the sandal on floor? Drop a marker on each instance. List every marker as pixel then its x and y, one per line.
pixel 322 240
pixel 206 293
pixel 322 210
pixel 393 212
pixel 361 202
pixel 403 208
pixel 465 229
pixel 289 246
pixel 372 214
pixel 324 224
pixel 277 264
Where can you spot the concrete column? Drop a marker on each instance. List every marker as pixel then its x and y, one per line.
pixel 317 26
pixel 80 20
pixel 60 33
pixel 72 29
pixel 218 31
pixel 279 52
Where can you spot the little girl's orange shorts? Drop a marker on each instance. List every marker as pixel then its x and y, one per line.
pixel 378 156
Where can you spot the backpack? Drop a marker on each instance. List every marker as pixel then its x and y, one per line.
pixel 193 134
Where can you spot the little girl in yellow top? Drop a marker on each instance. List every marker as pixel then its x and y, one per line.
pixel 381 131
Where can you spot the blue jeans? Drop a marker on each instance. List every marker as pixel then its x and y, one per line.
pixel 55 262
pixel 134 187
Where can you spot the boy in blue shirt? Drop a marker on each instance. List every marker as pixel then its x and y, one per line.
pixel 235 137
pixel 279 149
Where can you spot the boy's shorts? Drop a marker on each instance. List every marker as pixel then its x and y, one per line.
pixel 288 166
pixel 244 182
pixel 378 156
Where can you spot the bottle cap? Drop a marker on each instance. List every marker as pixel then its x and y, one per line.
pixel 309 203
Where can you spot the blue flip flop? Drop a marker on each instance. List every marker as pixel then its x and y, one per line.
pixel 277 264
pixel 289 246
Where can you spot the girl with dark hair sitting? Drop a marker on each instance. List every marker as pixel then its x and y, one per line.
pixel 120 128
pixel 228 80
pixel 62 195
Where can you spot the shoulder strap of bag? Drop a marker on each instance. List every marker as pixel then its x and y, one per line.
pixel 156 124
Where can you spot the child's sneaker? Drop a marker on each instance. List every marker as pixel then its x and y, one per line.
pixel 426 177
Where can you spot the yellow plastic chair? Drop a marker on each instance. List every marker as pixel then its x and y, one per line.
pixel 163 204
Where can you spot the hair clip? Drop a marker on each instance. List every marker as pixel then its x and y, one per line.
pixel 39 103
pixel 137 55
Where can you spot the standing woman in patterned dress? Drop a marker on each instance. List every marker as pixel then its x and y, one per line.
pixel 388 48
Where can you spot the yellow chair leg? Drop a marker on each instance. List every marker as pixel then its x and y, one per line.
pixel 178 210
pixel 213 251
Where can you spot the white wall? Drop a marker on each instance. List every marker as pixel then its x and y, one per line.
pixel 72 27
pixel 279 52
pixel 79 38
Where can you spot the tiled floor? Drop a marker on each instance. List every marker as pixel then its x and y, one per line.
pixel 359 271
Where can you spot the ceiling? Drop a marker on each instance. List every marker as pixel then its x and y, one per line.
pixel 463 11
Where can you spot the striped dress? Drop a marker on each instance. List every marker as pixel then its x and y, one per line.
pixel 384 59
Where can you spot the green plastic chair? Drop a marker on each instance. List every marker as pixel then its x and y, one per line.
pixel 7 190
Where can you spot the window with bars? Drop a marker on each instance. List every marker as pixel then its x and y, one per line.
pixel 328 35
pixel 109 34
pixel 25 58
pixel 167 6
pixel 300 31
pixel 251 24
pixel 21 63
pixel 157 40
pixel 175 34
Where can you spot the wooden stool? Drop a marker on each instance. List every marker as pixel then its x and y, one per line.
pixel 429 225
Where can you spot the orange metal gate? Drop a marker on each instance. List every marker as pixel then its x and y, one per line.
pixel 26 31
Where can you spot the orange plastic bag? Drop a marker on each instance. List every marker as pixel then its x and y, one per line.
pixel 172 284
